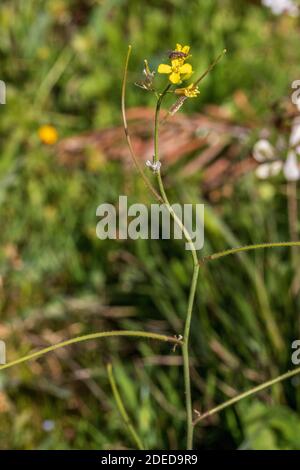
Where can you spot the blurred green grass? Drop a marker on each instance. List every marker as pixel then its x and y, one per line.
pixel 63 62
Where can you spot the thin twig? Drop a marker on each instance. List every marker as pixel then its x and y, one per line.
pixel 122 409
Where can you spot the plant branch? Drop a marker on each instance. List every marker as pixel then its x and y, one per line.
pixel 241 249
pixel 122 409
pixel 186 360
pixel 98 335
pixel 250 392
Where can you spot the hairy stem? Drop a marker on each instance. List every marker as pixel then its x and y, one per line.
pixel 122 409
pixel 79 339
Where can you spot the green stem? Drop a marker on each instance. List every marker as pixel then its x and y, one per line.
pixel 79 339
pixel 185 348
pixel 233 251
pixel 132 153
pixel 122 409
pixel 156 122
pixel 186 360
pixel 250 392
pixel 160 182
pixel 177 219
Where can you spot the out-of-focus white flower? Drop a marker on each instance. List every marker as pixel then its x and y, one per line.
pixel 270 165
pixel 280 7
pixel 265 154
pixel 267 170
pixel 296 94
pixel 154 166
pixel 291 169
pixel 263 151
pixel 295 135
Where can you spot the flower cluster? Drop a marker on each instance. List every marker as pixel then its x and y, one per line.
pixel 267 155
pixel 179 70
pixel 191 91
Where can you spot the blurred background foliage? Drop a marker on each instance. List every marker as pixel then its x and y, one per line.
pixel 62 61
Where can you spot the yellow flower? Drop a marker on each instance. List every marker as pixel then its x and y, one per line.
pixel 181 53
pixel 48 135
pixel 176 70
pixel 190 91
pixel 184 49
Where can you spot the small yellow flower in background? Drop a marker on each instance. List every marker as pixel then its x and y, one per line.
pixel 190 91
pixel 176 70
pixel 48 135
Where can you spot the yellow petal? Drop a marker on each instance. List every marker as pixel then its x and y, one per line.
pixel 186 49
pixel 174 77
pixel 186 69
pixel 164 68
pixel 178 47
pixel 175 63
